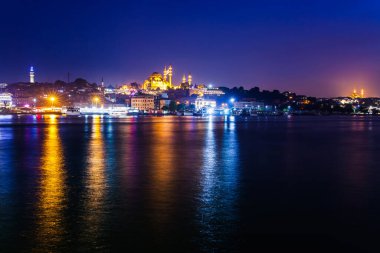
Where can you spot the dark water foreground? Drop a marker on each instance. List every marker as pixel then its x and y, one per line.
pixel 170 184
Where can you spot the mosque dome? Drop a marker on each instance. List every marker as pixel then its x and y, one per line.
pixel 156 76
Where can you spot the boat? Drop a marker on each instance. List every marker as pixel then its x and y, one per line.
pixel 253 113
pixel 202 112
pixel 245 113
pixel 185 113
pixel 72 111
pixel 133 111
pixel 118 111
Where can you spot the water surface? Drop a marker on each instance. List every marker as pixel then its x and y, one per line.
pixel 186 184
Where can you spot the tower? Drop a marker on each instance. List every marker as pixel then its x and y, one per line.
pixel 362 93
pixel 170 73
pixel 354 94
pixel 102 83
pixel 184 79
pixel 165 74
pixel 31 75
pixel 190 79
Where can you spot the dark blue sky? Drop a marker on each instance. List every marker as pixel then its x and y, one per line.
pixel 321 48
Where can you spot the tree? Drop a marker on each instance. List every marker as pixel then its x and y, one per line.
pixel 172 106
pixel 80 81
pixel 181 107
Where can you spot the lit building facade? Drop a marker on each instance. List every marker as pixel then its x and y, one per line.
pixel 202 103
pixel 143 103
pixel 251 105
pixel 5 100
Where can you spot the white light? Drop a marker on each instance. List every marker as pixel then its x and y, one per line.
pixel 210 110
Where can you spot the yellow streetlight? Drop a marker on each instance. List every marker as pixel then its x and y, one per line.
pixel 52 99
pixel 96 100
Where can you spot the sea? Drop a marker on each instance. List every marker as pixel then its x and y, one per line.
pixel 189 184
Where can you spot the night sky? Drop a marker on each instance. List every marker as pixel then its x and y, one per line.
pixel 320 48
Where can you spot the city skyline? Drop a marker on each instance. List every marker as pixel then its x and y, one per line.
pixel 189 126
pixel 322 49
pixel 184 78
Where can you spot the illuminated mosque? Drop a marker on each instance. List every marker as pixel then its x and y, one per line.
pixel 356 95
pixel 157 81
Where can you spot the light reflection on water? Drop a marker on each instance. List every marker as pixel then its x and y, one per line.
pixel 185 184
pixel 95 187
pixel 7 182
pixel 162 156
pixel 50 230
pixel 219 179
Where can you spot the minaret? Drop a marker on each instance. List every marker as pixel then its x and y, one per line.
pixel 31 75
pixel 102 84
pixel 190 79
pixel 170 73
pixel 362 93
pixel 184 79
pixel 165 74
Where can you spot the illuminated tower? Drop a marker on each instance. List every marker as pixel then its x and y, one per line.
pixel 170 73
pixel 190 79
pixel 354 94
pixel 102 84
pixel 31 75
pixel 184 79
pixel 165 74
pixel 362 93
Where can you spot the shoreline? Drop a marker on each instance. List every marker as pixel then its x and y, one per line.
pixel 169 114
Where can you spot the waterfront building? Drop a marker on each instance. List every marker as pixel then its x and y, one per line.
pixel 202 103
pixel 143 103
pixel 250 105
pixel 5 100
